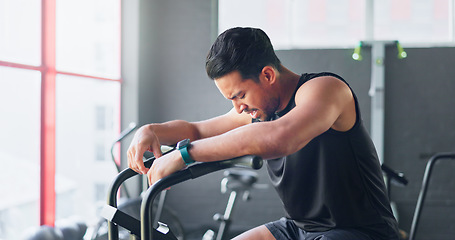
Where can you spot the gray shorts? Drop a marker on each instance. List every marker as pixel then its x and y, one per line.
pixel 285 229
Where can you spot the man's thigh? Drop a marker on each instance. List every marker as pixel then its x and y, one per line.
pixel 258 233
pixel 338 234
pixel 285 229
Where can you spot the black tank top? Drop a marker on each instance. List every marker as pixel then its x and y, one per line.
pixel 335 181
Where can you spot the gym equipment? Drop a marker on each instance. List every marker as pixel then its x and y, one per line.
pixel 131 127
pixel 64 230
pixel 236 182
pixel 132 206
pixel 141 229
pixel 424 188
pixel 71 229
pixel 397 179
pixel 43 232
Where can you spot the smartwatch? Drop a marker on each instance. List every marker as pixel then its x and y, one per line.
pixel 183 147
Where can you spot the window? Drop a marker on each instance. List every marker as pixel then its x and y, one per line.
pixel 19 150
pixel 100 151
pixel 20 82
pixel 87 102
pixel 333 23
pixel 414 21
pixel 60 103
pixel 100 117
pixel 89 30
pixel 20 31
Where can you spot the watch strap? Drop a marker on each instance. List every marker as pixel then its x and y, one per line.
pixel 184 152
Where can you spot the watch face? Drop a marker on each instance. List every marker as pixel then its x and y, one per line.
pixel 183 143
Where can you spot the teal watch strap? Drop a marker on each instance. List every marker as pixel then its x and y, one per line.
pixel 183 148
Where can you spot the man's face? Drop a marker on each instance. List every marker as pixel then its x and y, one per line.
pixel 254 98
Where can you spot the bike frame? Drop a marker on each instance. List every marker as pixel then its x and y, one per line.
pixel 143 228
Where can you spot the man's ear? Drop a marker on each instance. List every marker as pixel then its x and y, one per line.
pixel 268 74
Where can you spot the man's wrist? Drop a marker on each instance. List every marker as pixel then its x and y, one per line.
pixel 183 147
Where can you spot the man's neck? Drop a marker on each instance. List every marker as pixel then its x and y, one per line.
pixel 288 82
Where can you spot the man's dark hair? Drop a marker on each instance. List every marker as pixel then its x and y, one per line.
pixel 247 50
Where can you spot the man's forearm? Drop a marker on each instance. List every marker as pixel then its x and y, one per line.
pixel 169 133
pixel 238 142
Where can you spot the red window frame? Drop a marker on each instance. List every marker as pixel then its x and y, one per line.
pixel 48 108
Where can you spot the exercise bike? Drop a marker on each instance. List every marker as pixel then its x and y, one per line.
pixel 132 205
pixel 238 183
pixel 424 188
pixel 399 178
pixel 141 228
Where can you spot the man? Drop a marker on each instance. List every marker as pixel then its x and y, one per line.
pixel 308 127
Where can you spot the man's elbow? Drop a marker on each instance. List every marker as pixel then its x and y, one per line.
pixel 280 144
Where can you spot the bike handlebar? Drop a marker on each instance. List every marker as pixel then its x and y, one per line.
pixel 191 172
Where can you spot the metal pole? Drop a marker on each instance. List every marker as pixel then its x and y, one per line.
pixel 424 188
pixel 226 221
pixel 377 96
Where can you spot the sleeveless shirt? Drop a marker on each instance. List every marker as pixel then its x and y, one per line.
pixel 335 181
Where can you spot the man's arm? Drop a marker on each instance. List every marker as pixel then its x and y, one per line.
pixel 321 103
pixel 151 136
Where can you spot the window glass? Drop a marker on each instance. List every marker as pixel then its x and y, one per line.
pixel 88 37
pixel 20 31
pixel 19 150
pixel 413 21
pixel 297 23
pixel 82 145
pixel 293 24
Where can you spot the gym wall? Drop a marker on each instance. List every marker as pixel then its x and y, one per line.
pixel 164 49
pixel 419 122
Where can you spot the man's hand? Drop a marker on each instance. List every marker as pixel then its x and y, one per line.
pixel 144 139
pixel 165 166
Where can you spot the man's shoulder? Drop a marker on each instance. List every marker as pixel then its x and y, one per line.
pixel 324 78
pixel 308 76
